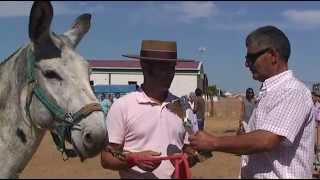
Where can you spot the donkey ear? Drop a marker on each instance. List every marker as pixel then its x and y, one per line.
pixel 39 21
pixel 79 28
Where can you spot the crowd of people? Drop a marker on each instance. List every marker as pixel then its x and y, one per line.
pixel 107 100
pixel 277 136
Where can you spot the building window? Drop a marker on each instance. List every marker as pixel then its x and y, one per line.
pixel 92 86
pixel 132 82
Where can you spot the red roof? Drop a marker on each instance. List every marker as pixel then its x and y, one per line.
pixel 135 64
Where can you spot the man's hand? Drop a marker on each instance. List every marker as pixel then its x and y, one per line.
pixel 240 130
pixel 145 160
pixel 192 157
pixel 202 141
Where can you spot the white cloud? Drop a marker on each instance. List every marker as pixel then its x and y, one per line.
pixel 75 7
pixel 14 8
pixel 188 11
pixel 202 49
pixel 22 8
pixel 241 12
pixel 294 20
pixel 246 26
pixel 307 17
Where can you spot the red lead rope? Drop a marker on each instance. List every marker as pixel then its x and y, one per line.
pixel 181 165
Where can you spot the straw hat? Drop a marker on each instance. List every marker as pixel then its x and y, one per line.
pixel 155 50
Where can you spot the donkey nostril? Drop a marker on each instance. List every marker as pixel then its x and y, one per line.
pixel 88 138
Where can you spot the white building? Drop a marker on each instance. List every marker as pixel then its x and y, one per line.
pixel 189 74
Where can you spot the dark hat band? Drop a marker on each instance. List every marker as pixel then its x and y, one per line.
pixel 158 54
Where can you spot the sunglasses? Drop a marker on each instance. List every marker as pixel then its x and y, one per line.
pixel 251 58
pixel 313 93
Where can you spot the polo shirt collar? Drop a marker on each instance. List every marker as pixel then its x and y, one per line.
pixel 142 98
pixel 276 80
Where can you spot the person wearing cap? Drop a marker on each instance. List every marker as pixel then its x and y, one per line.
pixel 279 141
pixel 140 125
pixel 316 110
pixel 248 103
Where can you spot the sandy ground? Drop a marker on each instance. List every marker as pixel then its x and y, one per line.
pixel 48 163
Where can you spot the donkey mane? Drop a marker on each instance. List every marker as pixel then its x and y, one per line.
pixel 9 57
pixel 15 58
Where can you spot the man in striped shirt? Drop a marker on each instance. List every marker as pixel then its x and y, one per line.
pixel 316 101
pixel 280 136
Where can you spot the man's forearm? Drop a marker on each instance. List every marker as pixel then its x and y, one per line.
pixel 241 118
pixel 253 142
pixel 108 161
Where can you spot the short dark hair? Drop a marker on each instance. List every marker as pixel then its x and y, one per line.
pixel 198 92
pixel 249 90
pixel 270 37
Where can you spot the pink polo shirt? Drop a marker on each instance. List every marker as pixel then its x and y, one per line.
pixel 142 124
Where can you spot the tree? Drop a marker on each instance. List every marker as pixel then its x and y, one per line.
pixel 212 91
pixel 222 93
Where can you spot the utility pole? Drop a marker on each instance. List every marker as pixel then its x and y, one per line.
pixel 202 50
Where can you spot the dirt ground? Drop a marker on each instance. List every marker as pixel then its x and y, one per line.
pixel 48 163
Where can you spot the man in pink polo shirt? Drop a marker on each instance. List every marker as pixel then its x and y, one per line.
pixel 140 124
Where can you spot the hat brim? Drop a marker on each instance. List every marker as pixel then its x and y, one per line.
pixel 148 58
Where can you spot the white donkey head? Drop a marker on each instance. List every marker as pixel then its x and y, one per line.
pixel 61 98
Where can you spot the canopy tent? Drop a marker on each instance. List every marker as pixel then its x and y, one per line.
pixel 122 89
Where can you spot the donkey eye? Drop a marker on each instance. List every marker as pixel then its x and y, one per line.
pixel 50 74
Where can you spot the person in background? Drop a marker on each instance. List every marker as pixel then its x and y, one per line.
pixel 279 141
pixel 116 96
pixel 248 103
pixel 110 97
pixel 199 108
pixel 316 110
pixel 193 122
pixel 194 119
pixel 106 103
pixel 192 97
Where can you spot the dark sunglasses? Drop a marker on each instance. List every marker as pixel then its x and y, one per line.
pixel 251 58
pixel 313 93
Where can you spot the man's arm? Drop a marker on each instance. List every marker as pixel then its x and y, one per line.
pixel 109 161
pixel 195 105
pixel 114 158
pixel 249 143
pixel 241 117
pixel 192 159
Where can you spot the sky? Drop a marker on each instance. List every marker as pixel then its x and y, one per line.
pixel 211 32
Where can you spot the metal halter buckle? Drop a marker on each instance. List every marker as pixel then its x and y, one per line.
pixel 69 118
